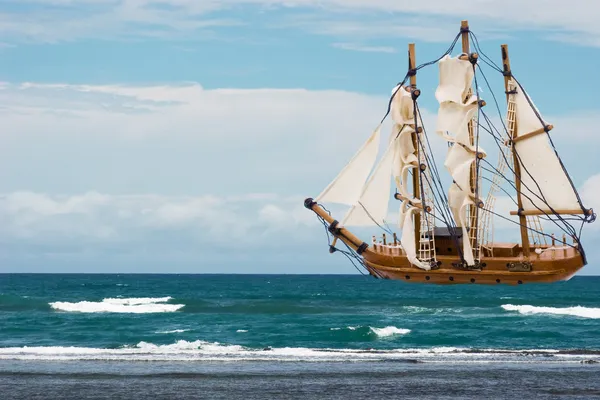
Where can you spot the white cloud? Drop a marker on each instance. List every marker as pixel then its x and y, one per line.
pixel 178 139
pixel 363 48
pixel 186 140
pixel 39 216
pixel 432 20
pixel 95 232
pixel 223 165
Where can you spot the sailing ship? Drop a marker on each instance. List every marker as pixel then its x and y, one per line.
pixel 447 231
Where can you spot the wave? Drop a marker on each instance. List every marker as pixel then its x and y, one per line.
pixel 200 350
pixel 389 331
pixel 363 331
pixel 578 311
pixel 350 328
pixel 175 331
pixel 139 305
pixel 134 301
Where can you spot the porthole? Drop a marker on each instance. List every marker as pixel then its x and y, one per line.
pixel 407 277
pixel 451 279
pixel 472 280
pixel 427 277
pixel 497 280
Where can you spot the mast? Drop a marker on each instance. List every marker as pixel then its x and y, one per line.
pixel 464 28
pixel 513 135
pixel 415 175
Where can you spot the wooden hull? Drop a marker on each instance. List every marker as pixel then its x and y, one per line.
pixel 499 262
pixel 550 266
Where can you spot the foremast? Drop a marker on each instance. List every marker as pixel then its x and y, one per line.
pixel 424 221
pixel 366 186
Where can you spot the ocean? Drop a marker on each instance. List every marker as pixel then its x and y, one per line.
pixel 79 336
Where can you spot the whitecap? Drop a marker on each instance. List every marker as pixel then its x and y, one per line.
pixel 133 301
pixel 389 331
pixel 578 311
pixel 141 305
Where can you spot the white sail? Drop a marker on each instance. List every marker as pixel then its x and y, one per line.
pixel 346 188
pixel 456 76
pixel 543 178
pixel 452 116
pixel 458 201
pixel 457 109
pixel 373 203
pixel 405 159
pixel 402 107
pixel 456 198
pixel 408 235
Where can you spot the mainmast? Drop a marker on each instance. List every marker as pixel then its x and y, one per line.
pixel 512 133
pixel 415 140
pixel 473 209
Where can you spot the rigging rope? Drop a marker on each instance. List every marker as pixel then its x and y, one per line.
pixel 443 206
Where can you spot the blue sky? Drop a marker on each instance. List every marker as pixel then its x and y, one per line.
pixel 182 136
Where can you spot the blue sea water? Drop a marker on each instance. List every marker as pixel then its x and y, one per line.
pixel 235 328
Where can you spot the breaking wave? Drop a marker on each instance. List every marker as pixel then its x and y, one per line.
pixel 389 331
pixel 578 311
pixel 200 350
pixel 139 305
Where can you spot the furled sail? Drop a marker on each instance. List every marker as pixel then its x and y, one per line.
pixel 347 187
pixel 402 107
pixel 457 108
pixel 544 182
pixel 408 234
pixel 406 160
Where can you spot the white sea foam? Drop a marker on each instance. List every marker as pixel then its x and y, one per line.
pixel 175 331
pixel 389 331
pixel 415 309
pixel 578 311
pixel 200 350
pixel 241 331
pixel 351 328
pixel 140 305
pixel 134 301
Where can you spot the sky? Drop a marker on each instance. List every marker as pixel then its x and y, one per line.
pixel 183 135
